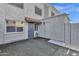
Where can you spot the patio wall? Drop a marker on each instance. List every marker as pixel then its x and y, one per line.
pixel 75 35
pixel 55 28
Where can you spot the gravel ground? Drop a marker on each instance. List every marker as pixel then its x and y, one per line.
pixel 34 47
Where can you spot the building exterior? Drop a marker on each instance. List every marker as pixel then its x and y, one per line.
pixel 21 21
pixel 74 36
pixel 12 24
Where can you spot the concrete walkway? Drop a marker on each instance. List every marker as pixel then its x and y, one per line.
pixel 34 47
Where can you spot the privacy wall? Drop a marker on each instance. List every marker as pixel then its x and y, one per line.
pixel 54 28
pixel 75 35
pixel 59 29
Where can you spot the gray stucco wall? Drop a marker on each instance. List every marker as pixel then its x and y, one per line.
pixel 29 10
pixel 2 30
pixel 55 28
pixel 9 12
pixel 75 34
pixel 67 33
pixel 46 10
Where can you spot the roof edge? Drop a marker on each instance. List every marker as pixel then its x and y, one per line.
pixel 56 16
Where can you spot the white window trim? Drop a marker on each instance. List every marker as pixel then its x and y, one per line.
pixel 15 28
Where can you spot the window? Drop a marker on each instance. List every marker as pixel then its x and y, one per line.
pixel 36 27
pixel 20 5
pixel 14 26
pixel 38 11
pixel 10 28
pixel 19 26
pixel 19 29
pixel 52 14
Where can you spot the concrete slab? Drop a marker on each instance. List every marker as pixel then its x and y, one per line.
pixel 33 47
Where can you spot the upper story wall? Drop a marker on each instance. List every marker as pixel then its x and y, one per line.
pixel 29 9
pixel 46 9
pixel 50 11
pixel 13 12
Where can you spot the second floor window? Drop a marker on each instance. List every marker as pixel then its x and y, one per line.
pixel 38 11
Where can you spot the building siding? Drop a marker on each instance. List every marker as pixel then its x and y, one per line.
pixel 9 12
pixel 75 35
pixel 53 28
pixel 30 10
pixel 2 23
pixel 60 29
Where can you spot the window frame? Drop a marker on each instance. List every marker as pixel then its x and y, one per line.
pixel 19 30
pixel 36 27
pixel 14 26
pixel 9 30
pixel 38 12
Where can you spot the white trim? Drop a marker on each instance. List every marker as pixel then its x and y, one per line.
pixel 14 32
